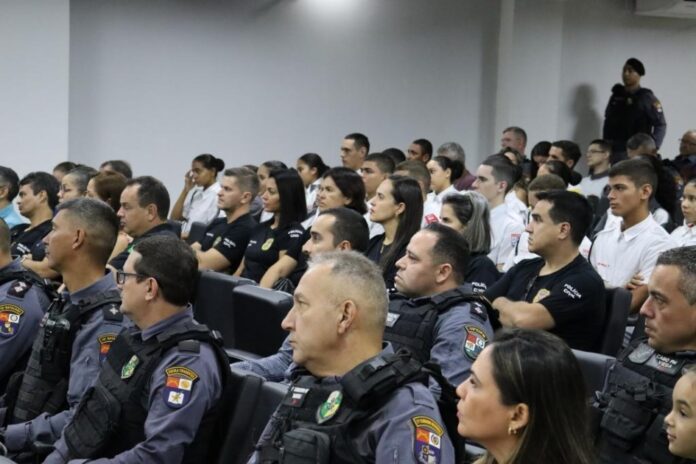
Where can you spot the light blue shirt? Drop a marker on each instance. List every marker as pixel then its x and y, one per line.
pixel 11 217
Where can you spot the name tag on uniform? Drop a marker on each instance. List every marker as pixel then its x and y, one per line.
pixel 664 364
pixel 392 318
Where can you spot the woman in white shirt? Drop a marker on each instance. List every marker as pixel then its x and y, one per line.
pixel 443 172
pixel 685 235
pixel 311 168
pixel 197 201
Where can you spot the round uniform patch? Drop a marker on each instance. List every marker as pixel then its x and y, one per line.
pixel 476 340
pixel 427 441
pixel 10 316
pixel 178 386
pixel 267 244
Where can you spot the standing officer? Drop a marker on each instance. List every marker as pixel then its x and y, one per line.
pixel 632 109
pixel 158 395
pixel 637 393
pixel 352 402
pixel 76 333
pixel 442 321
pixel 23 300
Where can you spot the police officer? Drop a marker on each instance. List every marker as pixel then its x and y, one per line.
pixel 338 406
pixel 159 391
pixel 442 321
pixel 23 300
pixel 638 390
pixel 76 332
pixel 632 109
pixel 38 197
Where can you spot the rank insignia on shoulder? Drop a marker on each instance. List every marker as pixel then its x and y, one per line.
pixel 10 315
pixel 129 368
pixel 428 439
pixel 178 386
pixel 19 289
pixel 475 341
pixel 329 408
pixel 105 345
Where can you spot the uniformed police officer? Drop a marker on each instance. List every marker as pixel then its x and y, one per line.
pixel 352 401
pixel 632 109
pixel 638 390
pixel 23 300
pixel 76 332
pixel 442 321
pixel 156 397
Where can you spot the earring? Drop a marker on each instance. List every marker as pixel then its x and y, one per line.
pixel 512 431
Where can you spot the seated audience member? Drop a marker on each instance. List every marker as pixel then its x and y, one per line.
pixel 336 229
pixel 557 168
pixel 641 144
pixel 375 168
pixel 468 214
pixel 107 187
pixel 166 397
pixel 440 321
pixel 685 162
pixel 263 172
pixel 685 235
pixel 275 246
pixel 516 198
pixel 515 138
pixel 443 172
pixel 339 187
pixel 143 213
pixel 395 154
pixel 420 150
pixel 120 166
pixel 624 253
pixel 398 208
pixel 539 154
pixel 598 154
pixel 197 201
pixel 77 330
pixel 311 168
pixel 637 393
pixel 336 332
pixel 568 153
pixel 9 188
pixel 680 423
pixel 525 388
pixel 38 196
pixel 354 149
pixel 495 177
pixel 454 151
pixel 419 172
pixel 61 169
pixel 559 292
pixel 225 241
pixel 663 204
pixel 23 301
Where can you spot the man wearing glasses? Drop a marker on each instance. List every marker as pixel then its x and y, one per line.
pixel 75 334
pixel 158 394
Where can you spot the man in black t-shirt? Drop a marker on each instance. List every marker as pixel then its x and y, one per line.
pixel 225 240
pixel 38 196
pixel 559 292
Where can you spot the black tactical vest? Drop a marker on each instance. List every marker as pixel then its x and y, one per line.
pixel 411 323
pixel 636 398
pixel 310 427
pixel 44 383
pixel 111 416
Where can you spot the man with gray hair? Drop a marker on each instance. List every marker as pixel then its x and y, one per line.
pixel 637 394
pixel 339 409
pixel 454 151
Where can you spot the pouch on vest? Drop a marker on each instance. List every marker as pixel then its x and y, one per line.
pixel 304 446
pixel 625 422
pixel 101 410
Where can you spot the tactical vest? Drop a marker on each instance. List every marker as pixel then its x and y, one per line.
pixel 44 384
pixel 634 402
pixel 315 423
pixel 111 417
pixel 411 323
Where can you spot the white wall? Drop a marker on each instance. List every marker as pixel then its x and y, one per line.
pixel 34 72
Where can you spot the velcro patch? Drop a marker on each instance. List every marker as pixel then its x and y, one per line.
pixel 427 441
pixel 178 386
pixel 105 345
pixel 19 289
pixel 475 341
pixel 10 316
pixel 431 218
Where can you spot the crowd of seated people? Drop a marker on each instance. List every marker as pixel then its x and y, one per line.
pixel 414 278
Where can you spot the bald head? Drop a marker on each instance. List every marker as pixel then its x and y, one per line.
pixel 687 143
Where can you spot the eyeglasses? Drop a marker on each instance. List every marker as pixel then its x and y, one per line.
pixel 121 276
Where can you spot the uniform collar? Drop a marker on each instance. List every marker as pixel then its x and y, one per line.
pixel 161 326
pixel 295 369
pixel 105 283
pixel 634 231
pixel 15 265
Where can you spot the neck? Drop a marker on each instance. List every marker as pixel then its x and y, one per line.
pixel 503 449
pixel 390 228
pixel 346 357
pixel 205 187
pixel 154 315
pixel 632 88
pixel 560 258
pixel 442 288
pixel 276 220
pixel 80 274
pixel 236 213
pixel 601 168
pixel 437 192
pixel 5 259
pixel 635 217
pixel 4 202
pixel 497 201
pixel 40 216
pixel 153 224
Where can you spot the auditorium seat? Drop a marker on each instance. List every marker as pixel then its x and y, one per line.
pixel 618 307
pixel 258 313
pixel 196 233
pixel 213 302
pixel 594 368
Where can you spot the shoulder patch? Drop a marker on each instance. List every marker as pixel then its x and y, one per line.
pixel 475 341
pixel 105 342
pixel 112 313
pixel 19 289
pixel 10 317
pixel 427 441
pixel 178 386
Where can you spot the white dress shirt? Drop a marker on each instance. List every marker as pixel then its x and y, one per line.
pixel 506 229
pixel 200 205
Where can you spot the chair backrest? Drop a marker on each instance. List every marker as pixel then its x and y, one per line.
pixel 214 300
pixel 594 368
pixel 196 232
pixel 618 307
pixel 258 313
pixel 176 226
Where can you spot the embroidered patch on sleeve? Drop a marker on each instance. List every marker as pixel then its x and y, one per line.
pixel 10 316
pixel 475 341
pixel 178 386
pixel 427 441
pixel 105 345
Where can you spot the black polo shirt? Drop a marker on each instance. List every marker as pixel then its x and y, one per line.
pixel 374 252
pixel 574 296
pixel 481 272
pixel 120 259
pixel 26 241
pixel 229 239
pixel 265 245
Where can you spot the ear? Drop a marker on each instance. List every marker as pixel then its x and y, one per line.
pixel 564 230
pixel 400 208
pixel 152 289
pixel 448 173
pixel 43 196
pixel 646 191
pixel 151 212
pixel 570 163
pixel 4 190
pixel 519 417
pixel 502 186
pixel 443 272
pixel 344 246
pixel 246 198
pixel 79 238
pixel 347 314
